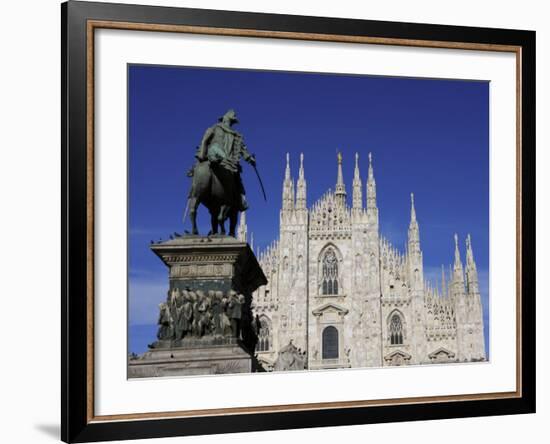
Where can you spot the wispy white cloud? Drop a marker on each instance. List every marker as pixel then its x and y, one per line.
pixel 144 295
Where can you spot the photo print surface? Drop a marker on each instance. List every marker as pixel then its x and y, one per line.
pixel 289 221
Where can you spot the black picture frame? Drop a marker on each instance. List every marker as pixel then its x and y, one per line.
pixel 77 423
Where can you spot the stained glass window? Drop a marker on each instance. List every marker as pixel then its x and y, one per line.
pixel 264 336
pixel 396 330
pixel 330 273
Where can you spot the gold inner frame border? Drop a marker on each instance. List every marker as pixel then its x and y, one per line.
pixel 92 25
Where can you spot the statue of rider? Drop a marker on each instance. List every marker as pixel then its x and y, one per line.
pixel 223 146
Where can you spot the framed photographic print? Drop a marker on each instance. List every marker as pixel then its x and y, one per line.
pixel 277 221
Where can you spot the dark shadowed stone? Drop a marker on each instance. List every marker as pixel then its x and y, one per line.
pixel 205 321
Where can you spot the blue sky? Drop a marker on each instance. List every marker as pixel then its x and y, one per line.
pixel 427 136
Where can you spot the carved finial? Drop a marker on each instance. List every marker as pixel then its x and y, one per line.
pixel 301 180
pixel 458 262
pixel 357 193
pixel 469 253
pixel 287 169
pixel 340 187
pixel 371 171
pixel 356 174
pixel 413 210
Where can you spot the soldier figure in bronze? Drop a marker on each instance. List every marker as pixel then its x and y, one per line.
pixel 217 175
pixel 164 322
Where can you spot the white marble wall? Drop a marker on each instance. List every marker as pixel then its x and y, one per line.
pixel 375 280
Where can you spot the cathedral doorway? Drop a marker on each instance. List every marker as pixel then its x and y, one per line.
pixel 330 343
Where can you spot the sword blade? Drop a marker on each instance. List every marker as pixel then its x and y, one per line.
pixel 260 180
pixel 186 211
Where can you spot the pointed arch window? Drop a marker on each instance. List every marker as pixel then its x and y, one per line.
pixel 330 273
pixel 264 335
pixel 396 330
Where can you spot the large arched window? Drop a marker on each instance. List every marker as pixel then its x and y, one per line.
pixel 329 275
pixel 264 335
pixel 396 330
pixel 330 343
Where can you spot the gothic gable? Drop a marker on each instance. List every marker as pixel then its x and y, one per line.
pixel 441 355
pixel 330 308
pixel 397 358
pixel 328 216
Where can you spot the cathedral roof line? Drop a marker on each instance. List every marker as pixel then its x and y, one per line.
pixel 331 217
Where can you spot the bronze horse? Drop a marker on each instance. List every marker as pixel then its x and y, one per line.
pixel 216 188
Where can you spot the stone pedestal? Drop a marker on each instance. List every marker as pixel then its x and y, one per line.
pixel 208 359
pixel 216 262
pixel 211 279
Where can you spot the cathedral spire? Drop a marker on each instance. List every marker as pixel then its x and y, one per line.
pixel 371 171
pixel 340 189
pixel 458 275
pixel 357 191
pixel 301 202
pixel 414 231
pixel 472 283
pixel 242 229
pixel 371 188
pixel 413 211
pixel 458 262
pixel 287 169
pixel 288 187
pixel 443 283
pixel 469 252
pixel 414 253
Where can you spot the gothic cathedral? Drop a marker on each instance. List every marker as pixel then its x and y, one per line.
pixel 345 297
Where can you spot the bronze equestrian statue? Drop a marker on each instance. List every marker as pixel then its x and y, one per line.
pixel 216 175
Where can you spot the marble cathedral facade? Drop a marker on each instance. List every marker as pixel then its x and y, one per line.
pixel 346 297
